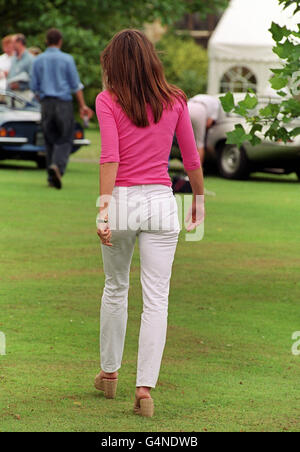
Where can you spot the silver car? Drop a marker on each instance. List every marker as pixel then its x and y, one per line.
pixel 238 163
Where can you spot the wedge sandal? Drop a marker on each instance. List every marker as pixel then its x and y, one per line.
pixel 107 385
pixel 144 407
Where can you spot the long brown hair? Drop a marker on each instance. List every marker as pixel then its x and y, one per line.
pixel 133 72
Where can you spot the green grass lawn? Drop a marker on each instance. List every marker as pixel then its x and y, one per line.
pixel 234 305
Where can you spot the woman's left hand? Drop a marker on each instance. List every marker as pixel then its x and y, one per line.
pixel 104 233
pixel 196 214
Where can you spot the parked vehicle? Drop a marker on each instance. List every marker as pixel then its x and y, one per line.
pixel 238 163
pixel 21 135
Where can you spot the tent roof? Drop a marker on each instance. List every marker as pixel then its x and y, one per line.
pixel 242 33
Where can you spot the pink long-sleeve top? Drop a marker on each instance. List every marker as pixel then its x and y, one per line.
pixel 143 152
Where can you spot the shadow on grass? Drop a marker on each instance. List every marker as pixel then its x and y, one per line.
pixel 281 179
pixel 211 170
pixel 33 167
pixel 257 177
pixel 19 166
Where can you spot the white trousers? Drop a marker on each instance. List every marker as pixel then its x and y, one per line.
pixel 149 213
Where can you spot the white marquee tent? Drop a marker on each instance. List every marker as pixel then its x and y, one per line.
pixel 240 49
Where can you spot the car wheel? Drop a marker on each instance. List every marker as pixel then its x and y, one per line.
pixel 41 162
pixel 233 162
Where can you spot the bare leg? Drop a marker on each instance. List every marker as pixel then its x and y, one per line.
pixel 143 392
pixel 202 154
pixel 112 375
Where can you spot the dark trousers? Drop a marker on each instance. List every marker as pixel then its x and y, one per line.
pixel 58 129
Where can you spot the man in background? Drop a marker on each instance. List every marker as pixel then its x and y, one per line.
pixel 204 111
pixel 19 75
pixel 6 59
pixel 54 80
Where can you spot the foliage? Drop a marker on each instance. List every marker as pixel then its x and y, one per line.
pixel 276 120
pixel 88 26
pixel 185 63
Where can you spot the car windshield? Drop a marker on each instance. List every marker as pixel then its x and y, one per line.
pixel 12 102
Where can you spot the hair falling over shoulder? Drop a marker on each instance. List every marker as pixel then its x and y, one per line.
pixel 133 73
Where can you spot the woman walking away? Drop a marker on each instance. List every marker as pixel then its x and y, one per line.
pixel 138 114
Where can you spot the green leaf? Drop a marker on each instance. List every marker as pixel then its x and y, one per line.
pixel 249 103
pixel 227 102
pixel 255 140
pixel 271 110
pixel 272 133
pixel 238 136
pixel 277 71
pixel 282 93
pixel 256 128
pixel 278 82
pixel 241 111
pixel 278 32
pixel 284 50
pixel 283 134
pixel 291 107
pixel 295 132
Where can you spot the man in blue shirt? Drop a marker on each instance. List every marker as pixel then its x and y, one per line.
pixel 54 79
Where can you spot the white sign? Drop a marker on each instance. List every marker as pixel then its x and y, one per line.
pixel 296 345
pixel 2 344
